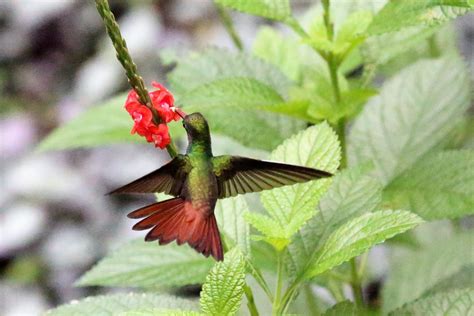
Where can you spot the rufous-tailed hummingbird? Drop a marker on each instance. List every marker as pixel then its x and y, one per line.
pixel 197 179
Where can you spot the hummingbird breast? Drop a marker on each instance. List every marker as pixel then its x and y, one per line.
pixel 200 188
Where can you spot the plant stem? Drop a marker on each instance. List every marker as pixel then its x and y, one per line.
pixel 134 79
pixel 277 301
pixel 250 301
pixel 363 264
pixel 433 46
pixel 311 300
pixel 290 294
pixel 229 26
pixel 335 290
pixel 341 132
pixel 356 283
pixel 257 275
pixel 295 25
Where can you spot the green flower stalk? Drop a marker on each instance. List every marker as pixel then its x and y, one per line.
pixel 135 80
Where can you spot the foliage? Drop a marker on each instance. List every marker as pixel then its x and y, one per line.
pixel 122 303
pixel 400 148
pixel 224 287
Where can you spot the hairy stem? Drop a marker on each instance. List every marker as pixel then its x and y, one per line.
pixel 257 275
pixel 335 290
pixel 356 283
pixel 311 300
pixel 341 132
pixel 290 294
pixel 250 301
pixel 433 46
pixel 229 26
pixel 134 79
pixel 278 291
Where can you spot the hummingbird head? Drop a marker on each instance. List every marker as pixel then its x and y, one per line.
pixel 196 126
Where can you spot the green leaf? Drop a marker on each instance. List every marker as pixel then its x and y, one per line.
pixel 198 69
pixel 413 113
pixel 282 52
pixel 454 302
pixel 399 14
pixel 358 235
pixel 296 108
pixel 246 93
pixel 346 308
pixel 351 194
pixel 318 36
pixel 198 81
pixel 229 214
pixel 252 128
pixel 224 287
pixel 375 49
pixel 270 9
pixel 415 272
pixel 408 45
pixel 141 264
pixel 103 124
pixel 352 33
pixel 119 303
pixel 160 312
pixel 438 186
pixel 350 105
pixel 459 280
pixel 291 206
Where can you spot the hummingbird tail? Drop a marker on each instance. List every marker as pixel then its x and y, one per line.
pixel 176 219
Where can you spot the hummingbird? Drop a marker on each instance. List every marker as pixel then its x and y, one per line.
pixel 197 180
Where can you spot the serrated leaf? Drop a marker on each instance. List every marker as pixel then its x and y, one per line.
pixel 318 36
pixel 350 104
pixel 213 64
pixel 261 129
pixel 375 49
pixel 119 303
pixel 198 79
pixel 351 33
pixel 408 45
pixel 141 264
pixel 297 109
pixel 291 206
pixel 351 194
pixel 224 287
pixel 413 113
pixel 358 235
pixel 399 14
pixel 246 93
pixel 271 9
pixel 282 52
pixel 346 308
pixel 459 280
pixel 454 302
pixel 415 272
pixel 229 214
pixel 160 312
pixel 438 186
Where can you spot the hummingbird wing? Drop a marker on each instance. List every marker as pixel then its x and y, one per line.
pixel 239 175
pixel 168 179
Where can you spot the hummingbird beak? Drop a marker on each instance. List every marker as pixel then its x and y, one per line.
pixel 178 111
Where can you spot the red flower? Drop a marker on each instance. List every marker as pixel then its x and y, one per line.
pixel 159 135
pixel 141 115
pixel 163 101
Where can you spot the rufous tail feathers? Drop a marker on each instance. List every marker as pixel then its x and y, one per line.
pixel 176 219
